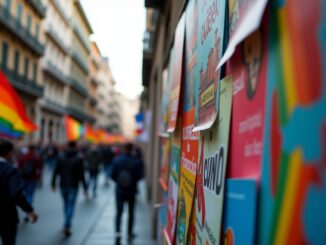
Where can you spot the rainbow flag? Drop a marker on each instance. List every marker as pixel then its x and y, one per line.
pixel 74 129
pixel 91 135
pixel 14 121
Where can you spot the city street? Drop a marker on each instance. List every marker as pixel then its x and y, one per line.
pixel 93 220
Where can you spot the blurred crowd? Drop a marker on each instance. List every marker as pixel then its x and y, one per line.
pixel 21 172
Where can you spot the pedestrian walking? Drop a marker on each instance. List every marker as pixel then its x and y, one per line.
pixel 30 168
pixel 94 159
pixel 126 172
pixel 11 195
pixel 51 154
pixel 70 168
pixel 107 157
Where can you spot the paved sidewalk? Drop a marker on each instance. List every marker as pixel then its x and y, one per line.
pixel 103 231
pixel 93 220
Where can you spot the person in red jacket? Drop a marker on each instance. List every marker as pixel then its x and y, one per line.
pixel 30 169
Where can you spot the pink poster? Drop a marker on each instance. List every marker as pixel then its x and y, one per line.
pixel 248 69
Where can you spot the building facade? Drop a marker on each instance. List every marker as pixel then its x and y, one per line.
pixel 93 82
pixel 108 106
pixel 46 54
pixel 55 70
pixel 21 48
pixel 78 64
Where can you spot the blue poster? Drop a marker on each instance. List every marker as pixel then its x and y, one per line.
pixel 239 218
pixel 211 20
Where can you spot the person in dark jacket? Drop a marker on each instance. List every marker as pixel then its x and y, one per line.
pixel 126 172
pixel 94 159
pixel 70 168
pixel 11 195
pixel 30 168
pixel 107 157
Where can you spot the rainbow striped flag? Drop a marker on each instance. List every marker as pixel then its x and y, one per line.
pixel 14 121
pixel 74 129
pixel 91 135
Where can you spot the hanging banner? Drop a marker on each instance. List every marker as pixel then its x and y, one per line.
pixel 176 74
pixel 210 47
pixel 74 129
pixel 174 173
pixel 165 144
pixel 293 186
pixel 248 67
pixel 14 121
pixel 245 17
pixel 190 139
pixel 211 171
pixel 239 212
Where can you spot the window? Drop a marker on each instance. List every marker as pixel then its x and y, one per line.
pixel 19 14
pixel 26 68
pixel 4 58
pixel 29 22
pixel 16 68
pixel 35 72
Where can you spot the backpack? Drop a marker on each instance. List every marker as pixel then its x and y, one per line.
pixel 125 178
pixel 28 169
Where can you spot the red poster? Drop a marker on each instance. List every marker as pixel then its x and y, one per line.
pixel 176 73
pixel 248 68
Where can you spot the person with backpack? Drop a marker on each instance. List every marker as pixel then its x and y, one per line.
pixel 12 194
pixel 30 168
pixel 70 168
pixel 126 172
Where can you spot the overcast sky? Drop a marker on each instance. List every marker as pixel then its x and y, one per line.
pixel 118 30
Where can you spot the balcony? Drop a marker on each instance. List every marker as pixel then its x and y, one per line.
pixel 38 6
pixel 83 40
pixel 79 61
pixel 78 87
pixel 56 38
pixel 94 81
pixel 52 106
pixel 22 83
pixel 53 71
pixel 79 114
pixel 10 23
pixel 61 11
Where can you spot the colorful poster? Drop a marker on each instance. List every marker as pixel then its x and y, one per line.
pixel 190 139
pixel 211 171
pixel 176 74
pixel 239 213
pixel 244 19
pixel 165 144
pixel 248 67
pixel 211 20
pixel 173 185
pixel 293 186
pixel 165 97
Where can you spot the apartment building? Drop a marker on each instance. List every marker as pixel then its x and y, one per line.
pixel 55 64
pixel 108 107
pixel 78 64
pixel 21 47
